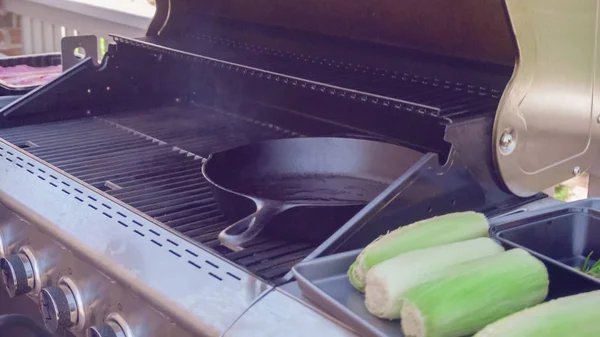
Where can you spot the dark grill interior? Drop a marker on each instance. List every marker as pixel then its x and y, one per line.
pixel 157 169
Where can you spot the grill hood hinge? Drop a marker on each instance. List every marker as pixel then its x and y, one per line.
pixel 547 126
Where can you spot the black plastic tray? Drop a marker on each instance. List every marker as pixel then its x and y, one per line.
pixel 40 60
pixel 564 236
pixel 324 282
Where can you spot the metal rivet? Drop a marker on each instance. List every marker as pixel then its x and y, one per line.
pixel 576 170
pixel 107 88
pixel 177 100
pixel 508 141
pixel 89 91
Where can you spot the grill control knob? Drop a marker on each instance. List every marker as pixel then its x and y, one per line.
pixel 109 328
pixel 18 274
pixel 59 308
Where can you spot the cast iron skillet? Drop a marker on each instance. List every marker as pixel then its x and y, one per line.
pixel 322 179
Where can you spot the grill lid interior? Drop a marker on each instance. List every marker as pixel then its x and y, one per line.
pixel 471 29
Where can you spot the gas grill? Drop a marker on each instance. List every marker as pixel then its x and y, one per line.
pixel 110 226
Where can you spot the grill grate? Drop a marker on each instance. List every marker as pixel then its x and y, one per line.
pixel 152 161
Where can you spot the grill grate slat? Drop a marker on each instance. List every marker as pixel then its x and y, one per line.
pixel 138 153
pixel 180 208
pixel 207 231
pixel 89 150
pixel 201 208
pixel 288 259
pixel 185 171
pixel 144 167
pixel 205 225
pixel 161 199
pixel 151 191
pixel 197 218
pixel 91 160
pixel 268 254
pixel 167 206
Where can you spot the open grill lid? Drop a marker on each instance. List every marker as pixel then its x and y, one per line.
pixel 471 29
pixel 546 129
pixel 547 126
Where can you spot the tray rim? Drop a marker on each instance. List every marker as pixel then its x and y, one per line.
pixel 323 300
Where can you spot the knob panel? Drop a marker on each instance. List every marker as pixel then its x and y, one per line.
pixel 58 307
pixel 18 274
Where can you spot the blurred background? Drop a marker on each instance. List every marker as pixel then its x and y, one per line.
pixel 37 26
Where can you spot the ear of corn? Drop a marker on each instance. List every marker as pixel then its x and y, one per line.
pixel 577 315
pixel 387 281
pixel 435 231
pixel 473 295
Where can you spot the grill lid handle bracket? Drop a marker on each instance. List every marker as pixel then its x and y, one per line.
pixel 546 127
pixel 76 48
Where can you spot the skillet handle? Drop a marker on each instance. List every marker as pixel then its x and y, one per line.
pixel 234 236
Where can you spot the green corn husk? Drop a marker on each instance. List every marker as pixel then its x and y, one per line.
pixel 449 228
pixel 387 281
pixel 474 294
pixel 576 315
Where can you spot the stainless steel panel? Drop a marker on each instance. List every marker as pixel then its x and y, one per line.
pixel 548 124
pixel 278 314
pixel 99 294
pixel 194 288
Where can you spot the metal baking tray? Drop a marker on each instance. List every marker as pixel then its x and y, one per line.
pixel 323 281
